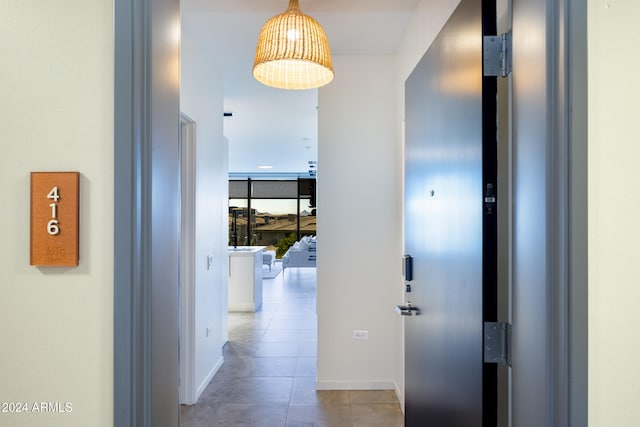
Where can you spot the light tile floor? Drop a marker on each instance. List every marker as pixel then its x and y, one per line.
pixel 269 372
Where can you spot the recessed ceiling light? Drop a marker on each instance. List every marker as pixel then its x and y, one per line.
pixel 265 167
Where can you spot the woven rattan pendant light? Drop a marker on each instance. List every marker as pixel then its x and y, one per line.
pixel 293 52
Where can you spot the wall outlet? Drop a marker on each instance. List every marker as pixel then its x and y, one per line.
pixel 360 335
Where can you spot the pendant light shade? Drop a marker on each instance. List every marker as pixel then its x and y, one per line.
pixel 293 52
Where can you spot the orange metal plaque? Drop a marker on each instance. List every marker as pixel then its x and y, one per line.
pixel 55 218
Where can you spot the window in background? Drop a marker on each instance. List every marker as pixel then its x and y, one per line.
pixel 273 221
pixel 272 213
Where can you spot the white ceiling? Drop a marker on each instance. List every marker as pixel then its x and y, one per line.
pixel 279 127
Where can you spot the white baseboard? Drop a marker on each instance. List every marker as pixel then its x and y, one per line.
pixel 208 378
pixel 399 395
pixel 248 307
pixel 356 385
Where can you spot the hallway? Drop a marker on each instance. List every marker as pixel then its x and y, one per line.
pixel 268 376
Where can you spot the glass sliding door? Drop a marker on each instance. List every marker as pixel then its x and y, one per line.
pixel 271 213
pixel 275 223
pixel 238 222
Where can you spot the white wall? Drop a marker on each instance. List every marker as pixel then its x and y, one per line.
pixel 201 99
pixel 430 17
pixel 56 324
pixel 614 213
pixel 359 239
pixel 360 157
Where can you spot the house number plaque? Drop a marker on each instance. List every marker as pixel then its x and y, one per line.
pixel 55 198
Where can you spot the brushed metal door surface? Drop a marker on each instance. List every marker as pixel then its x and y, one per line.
pixel 444 227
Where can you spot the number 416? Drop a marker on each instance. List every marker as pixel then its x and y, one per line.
pixel 52 226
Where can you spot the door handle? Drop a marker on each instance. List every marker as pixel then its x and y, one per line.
pixel 407 310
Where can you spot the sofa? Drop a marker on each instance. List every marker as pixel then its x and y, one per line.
pixel 301 254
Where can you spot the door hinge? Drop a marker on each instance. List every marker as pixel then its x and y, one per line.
pixel 497 343
pixel 496 56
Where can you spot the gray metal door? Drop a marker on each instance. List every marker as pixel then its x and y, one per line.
pixel 447 119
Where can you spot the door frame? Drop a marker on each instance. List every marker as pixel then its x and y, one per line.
pixel 188 388
pixel 550 283
pixel 146 213
pixel 133 162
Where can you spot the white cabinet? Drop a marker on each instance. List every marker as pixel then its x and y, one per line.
pixel 245 278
